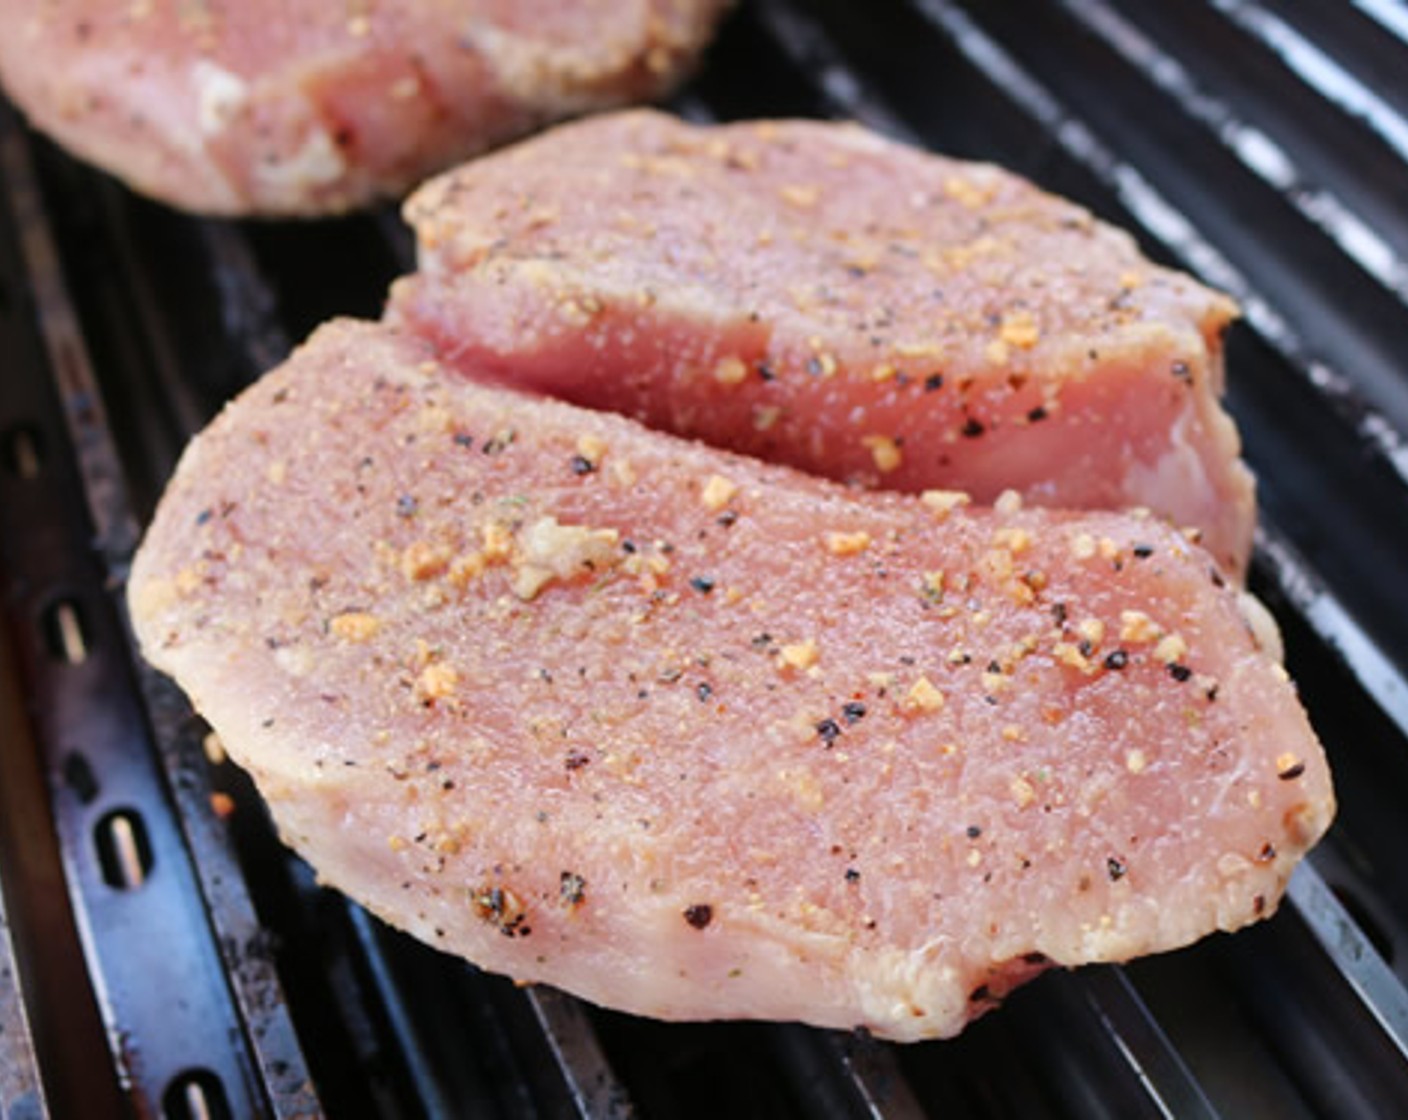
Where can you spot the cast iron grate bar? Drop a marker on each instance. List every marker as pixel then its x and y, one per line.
pixel 871 1065
pixel 144 877
pixel 1143 1045
pixel 591 1083
pixel 1333 624
pixel 20 1091
pixel 1257 150
pixel 1321 71
pixel 1339 934
pixel 130 881
pixel 115 530
pixel 1391 15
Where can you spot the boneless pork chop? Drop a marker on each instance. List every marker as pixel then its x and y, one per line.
pixel 817 295
pixel 305 108
pixel 699 737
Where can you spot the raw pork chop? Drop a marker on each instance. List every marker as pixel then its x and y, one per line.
pixel 817 295
pixel 306 108
pixel 698 737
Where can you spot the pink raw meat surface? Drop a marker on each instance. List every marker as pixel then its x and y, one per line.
pixel 817 295
pixel 699 737
pixel 309 108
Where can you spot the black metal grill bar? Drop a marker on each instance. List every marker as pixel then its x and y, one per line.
pixel 141 932
pixel 590 1080
pixel 1321 71
pixel 20 1090
pixel 1322 610
pixel 874 1072
pixel 134 909
pixel 1259 152
pixel 1150 1054
pixel 1390 16
pixel 1359 962
pixel 114 528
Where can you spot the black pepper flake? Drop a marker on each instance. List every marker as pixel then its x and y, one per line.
pixel 727 518
pixel 852 875
pixel 406 506
pixel 582 465
pixel 699 915
pixel 993 667
pixel 972 428
pixel 702 584
pixel 1037 415
pixel 852 712
pixel 1117 659
pixel 765 371
pixel 576 760
pixel 499 443
pixel 828 730
pixel 1116 868
pixel 464 439
pixel 972 832
pixel 573 889
pixel 1179 672
pixel 1059 613
pixel 704 691
pixel 933 381
pixel 1143 551
pixel 1291 772
pixel 204 515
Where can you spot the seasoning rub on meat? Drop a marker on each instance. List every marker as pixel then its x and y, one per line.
pixel 818 295
pixel 699 737
pixel 269 107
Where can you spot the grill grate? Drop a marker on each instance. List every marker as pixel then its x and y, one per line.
pixel 1261 144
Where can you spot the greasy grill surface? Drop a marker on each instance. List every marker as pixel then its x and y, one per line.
pixel 160 956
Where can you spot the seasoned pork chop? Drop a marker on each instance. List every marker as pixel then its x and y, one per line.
pixel 817 295
pixel 307 108
pixel 699 737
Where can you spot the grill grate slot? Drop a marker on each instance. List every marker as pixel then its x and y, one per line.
pixel 1261 144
